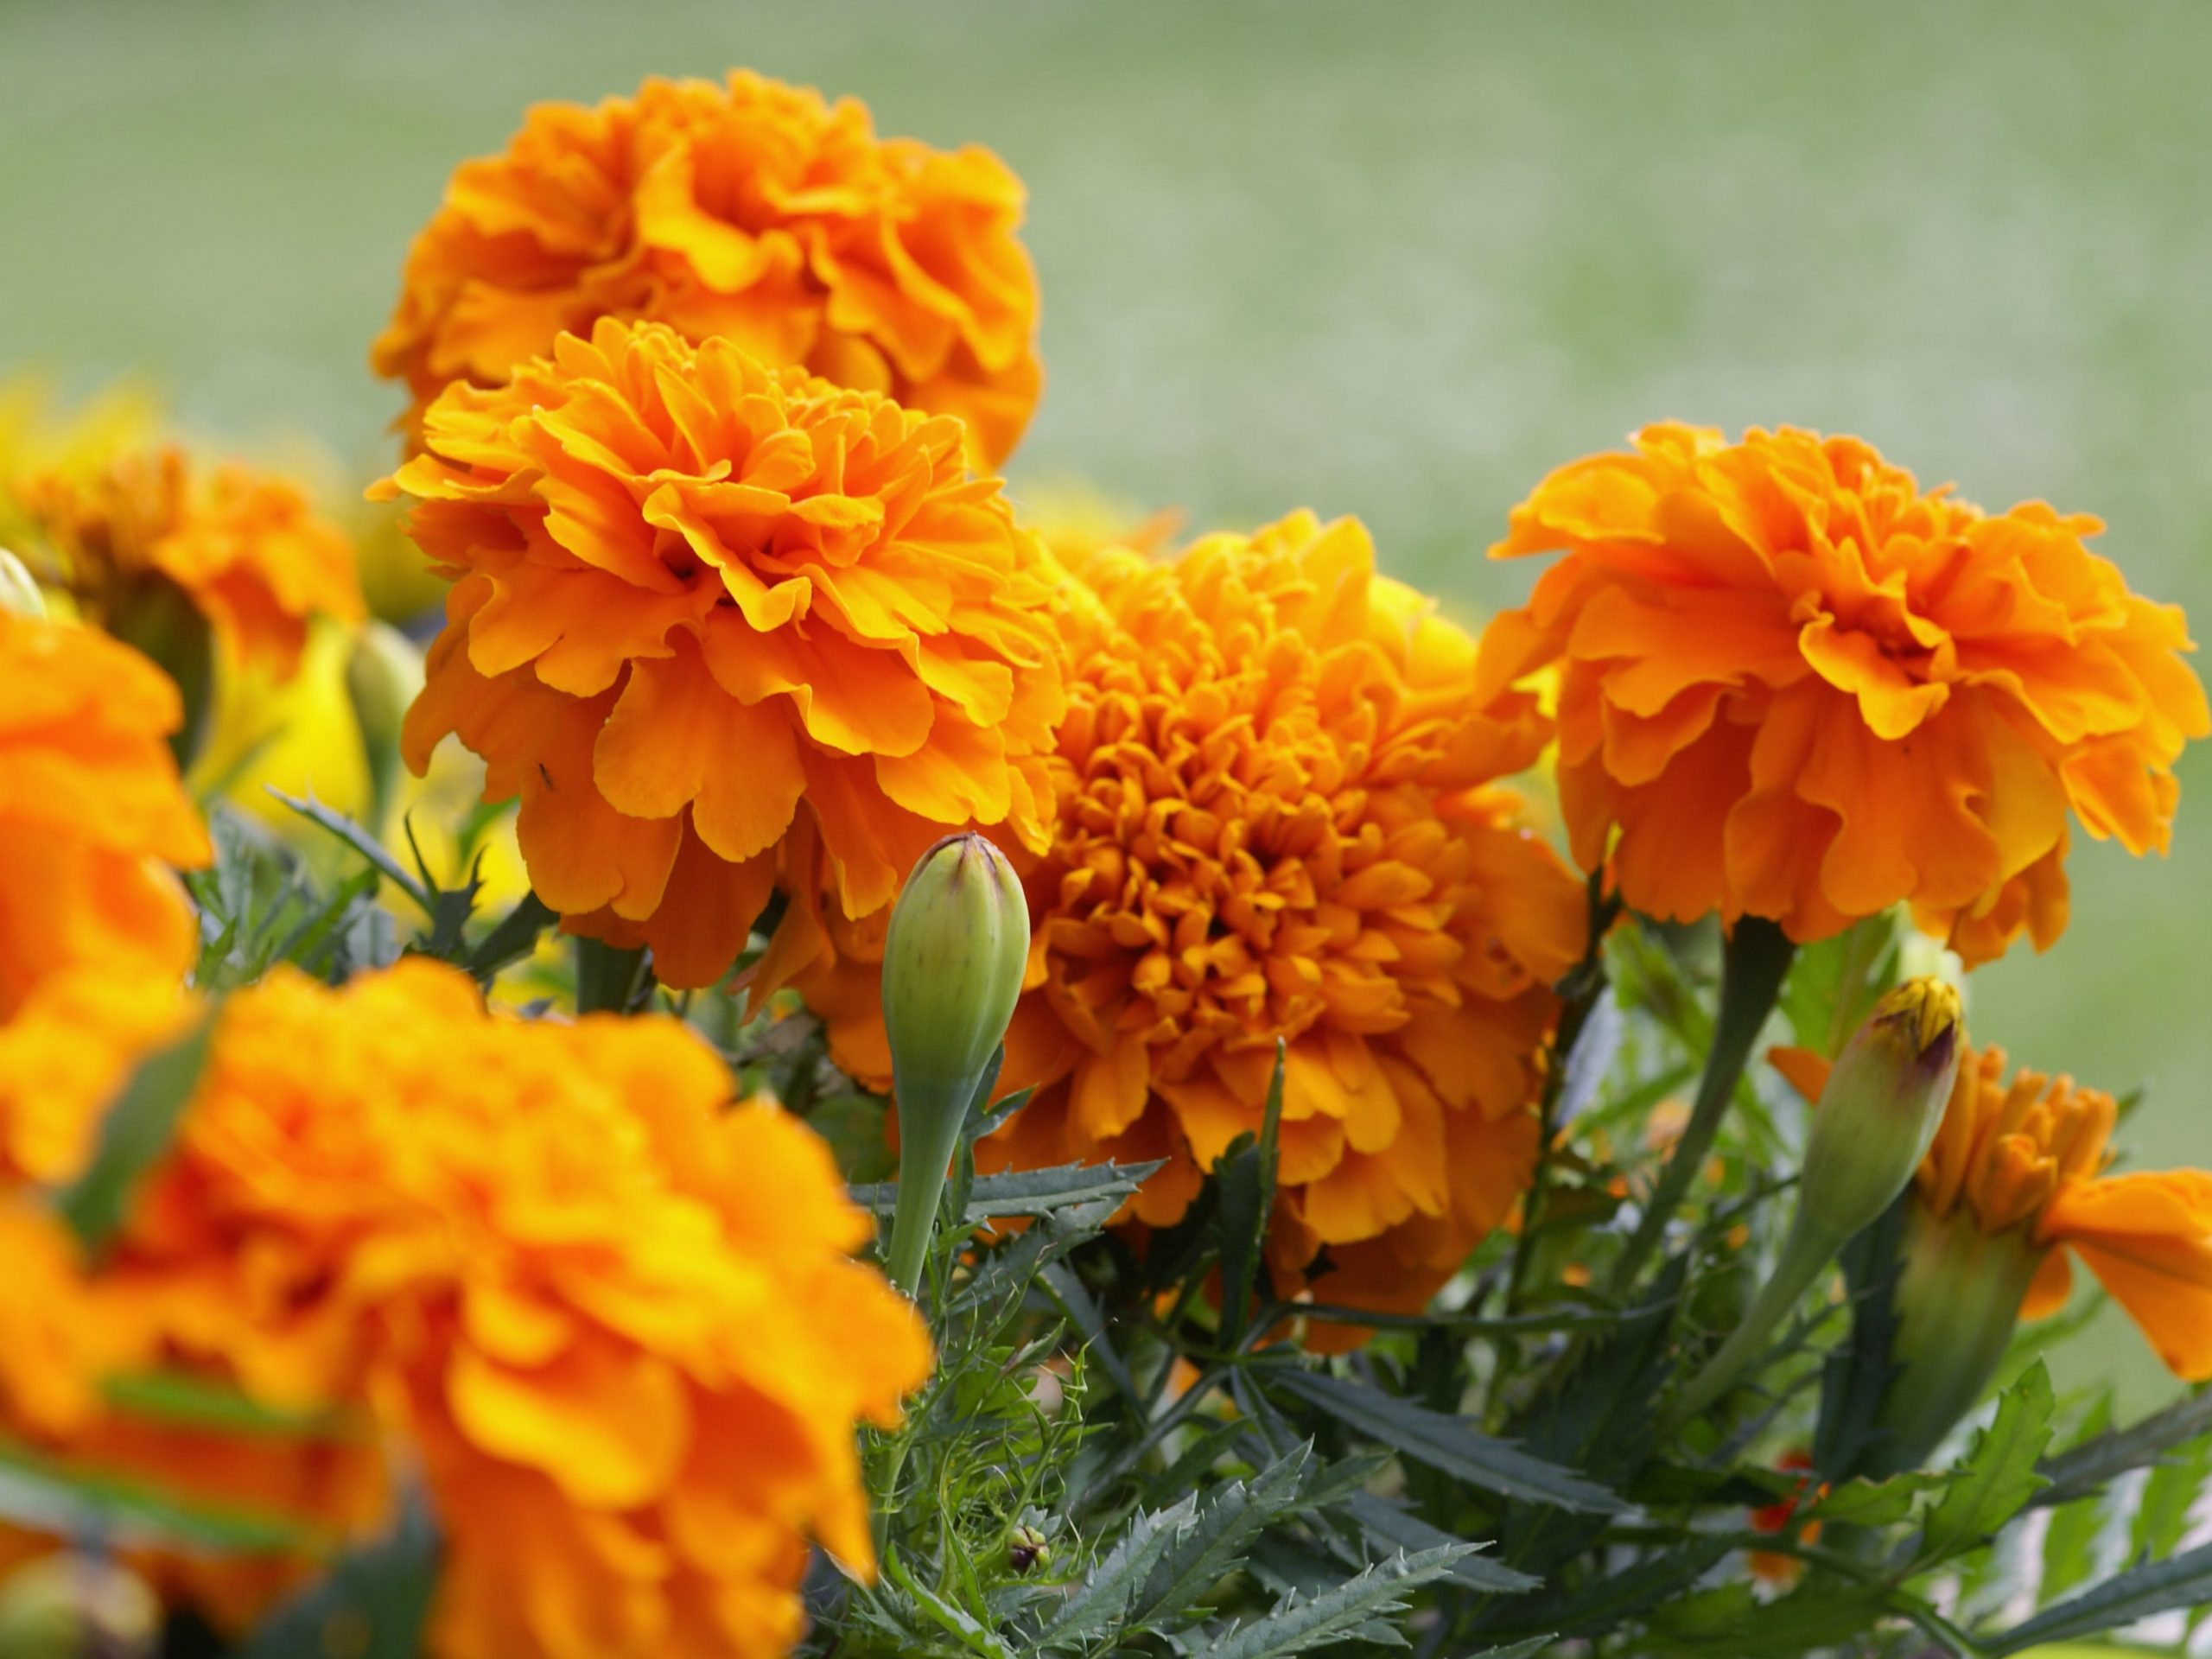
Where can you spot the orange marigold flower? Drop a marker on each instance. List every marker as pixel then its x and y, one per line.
pixel 711 620
pixel 1277 819
pixel 753 210
pixel 2025 1159
pixel 92 813
pixel 2029 1153
pixel 1799 687
pixel 613 1321
pixel 246 548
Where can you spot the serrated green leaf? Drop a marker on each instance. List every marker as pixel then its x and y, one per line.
pixel 1099 1604
pixel 513 936
pixel 1731 1622
pixel 135 1134
pixel 1858 1374
pixel 2158 1587
pixel 1997 1475
pixel 1400 1530
pixel 2171 1495
pixel 1244 1179
pixel 962 1626
pixel 1447 1443
pixel 378 1594
pixel 338 824
pixel 2081 1471
pixel 1211 1543
pixel 1300 1623
pixel 1604 1604
pixel 1865 1503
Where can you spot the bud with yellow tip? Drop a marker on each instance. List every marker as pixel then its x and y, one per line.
pixel 952 968
pixel 1882 1104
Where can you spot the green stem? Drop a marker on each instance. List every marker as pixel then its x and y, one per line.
pixel 607 977
pixel 1579 990
pixel 1803 1254
pixel 929 1133
pixel 1753 964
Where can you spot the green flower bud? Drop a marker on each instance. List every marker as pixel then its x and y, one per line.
pixel 1026 1549
pixel 75 1606
pixel 18 588
pixel 952 969
pixel 1882 1106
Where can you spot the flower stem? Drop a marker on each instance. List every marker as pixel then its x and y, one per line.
pixel 1753 964
pixel 929 1133
pixel 1807 1249
pixel 607 977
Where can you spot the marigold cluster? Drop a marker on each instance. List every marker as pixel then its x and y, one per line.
pixel 613 1324
pixel 92 813
pixel 752 211
pixel 246 548
pixel 1795 685
pixel 722 626
pixel 1278 820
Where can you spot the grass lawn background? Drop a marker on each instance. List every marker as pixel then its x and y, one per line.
pixel 1394 259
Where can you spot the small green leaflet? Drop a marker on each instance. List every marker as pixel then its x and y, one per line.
pixel 2158 1587
pixel 1997 1476
pixel 135 1135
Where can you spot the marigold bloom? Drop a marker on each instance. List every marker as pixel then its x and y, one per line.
pixel 246 548
pixel 92 813
pixel 711 620
pixel 2025 1157
pixel 753 211
pixel 613 1321
pixel 1799 687
pixel 1277 819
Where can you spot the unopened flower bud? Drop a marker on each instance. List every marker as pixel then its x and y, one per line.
pixel 1026 1549
pixel 952 969
pixel 76 1607
pixel 18 588
pixel 1883 1103
pixel 1882 1106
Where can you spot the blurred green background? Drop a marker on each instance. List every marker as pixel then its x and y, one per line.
pixel 1389 259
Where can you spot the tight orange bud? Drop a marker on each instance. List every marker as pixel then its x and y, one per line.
pixel 952 968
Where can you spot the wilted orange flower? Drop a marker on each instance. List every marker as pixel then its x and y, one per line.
pixel 753 210
pixel 1277 819
pixel 710 619
pixel 92 813
pixel 2027 1157
pixel 613 1321
pixel 1799 688
pixel 246 548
